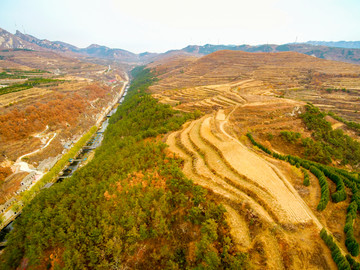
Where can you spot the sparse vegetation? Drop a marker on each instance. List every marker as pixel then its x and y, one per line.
pixel 290 136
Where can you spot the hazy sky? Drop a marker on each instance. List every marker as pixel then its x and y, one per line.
pixel 160 25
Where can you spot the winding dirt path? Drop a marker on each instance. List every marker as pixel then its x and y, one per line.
pixel 37 150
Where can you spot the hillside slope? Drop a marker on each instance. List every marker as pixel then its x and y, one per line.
pixel 130 207
pixel 243 93
pixel 10 41
pixel 46 99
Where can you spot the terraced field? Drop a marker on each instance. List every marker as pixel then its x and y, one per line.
pixel 259 194
pixel 272 214
pixel 212 97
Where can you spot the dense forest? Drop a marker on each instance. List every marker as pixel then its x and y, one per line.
pixel 130 207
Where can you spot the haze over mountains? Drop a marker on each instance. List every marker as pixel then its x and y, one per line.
pixel 338 51
pixel 340 44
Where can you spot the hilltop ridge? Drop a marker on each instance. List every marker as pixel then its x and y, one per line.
pixel 349 51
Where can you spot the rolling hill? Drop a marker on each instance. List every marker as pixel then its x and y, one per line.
pixel 263 96
pixel 47 97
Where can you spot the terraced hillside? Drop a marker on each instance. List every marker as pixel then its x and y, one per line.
pixel 264 210
pixel 281 70
pixel 273 215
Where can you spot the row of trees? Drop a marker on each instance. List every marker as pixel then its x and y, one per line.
pixel 50 176
pixel 306 181
pixel 354 264
pixel 340 177
pixel 325 193
pixel 340 194
pixel 351 124
pixel 30 83
pixel 340 260
pixel 351 244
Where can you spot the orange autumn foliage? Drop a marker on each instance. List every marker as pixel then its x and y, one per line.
pixel 17 124
pixel 4 172
pixel 94 91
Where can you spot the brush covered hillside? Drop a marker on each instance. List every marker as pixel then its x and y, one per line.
pixel 283 169
pixel 131 207
pixel 47 100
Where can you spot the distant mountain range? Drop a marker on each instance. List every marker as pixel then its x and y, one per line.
pixel 28 42
pixel 324 52
pixel 339 51
pixel 339 44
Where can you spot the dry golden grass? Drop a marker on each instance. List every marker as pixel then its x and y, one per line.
pixel 271 214
pixel 260 221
